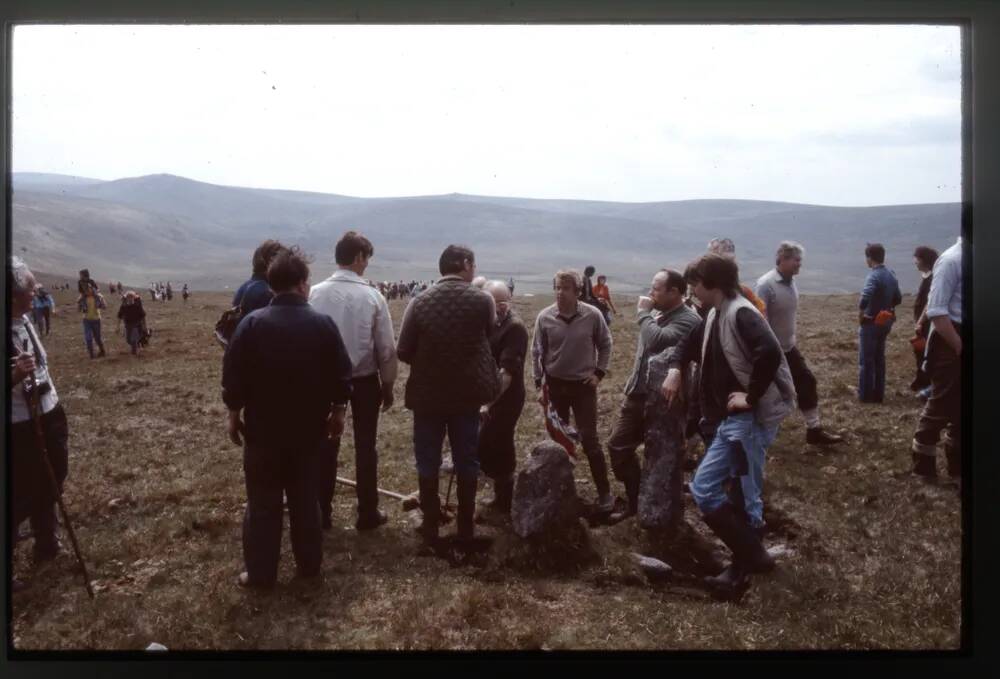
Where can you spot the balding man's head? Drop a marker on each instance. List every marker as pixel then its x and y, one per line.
pixel 479 282
pixel 501 295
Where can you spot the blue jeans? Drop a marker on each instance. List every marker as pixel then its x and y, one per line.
pixel 463 434
pixel 871 361
pixel 91 334
pixel 736 451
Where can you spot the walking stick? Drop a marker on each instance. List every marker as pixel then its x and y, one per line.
pixel 34 408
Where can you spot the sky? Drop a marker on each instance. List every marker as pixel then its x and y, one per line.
pixel 845 115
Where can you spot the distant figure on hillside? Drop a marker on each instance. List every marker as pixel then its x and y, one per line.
pixel 943 409
pixel 877 313
pixel 42 305
pixel 32 496
pixel 746 391
pixel 924 259
pixel 509 346
pixel 663 321
pixel 603 295
pixel 254 293
pixel 134 316
pixel 362 316
pixel 445 339
pixel 587 291
pixel 781 299
pixel 170 292
pixel 184 292
pixel 510 285
pixel 90 304
pixel 571 350
pixel 287 370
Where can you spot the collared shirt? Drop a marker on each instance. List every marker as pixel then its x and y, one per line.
pixel 781 305
pixel 362 316
pixel 573 347
pixel 945 297
pixel 22 331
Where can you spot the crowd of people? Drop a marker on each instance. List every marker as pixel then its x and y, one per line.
pixel 302 356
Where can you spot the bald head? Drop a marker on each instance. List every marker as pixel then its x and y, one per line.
pixel 479 282
pixel 501 295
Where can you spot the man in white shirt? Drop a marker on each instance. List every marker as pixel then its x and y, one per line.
pixel 362 316
pixel 33 495
pixel 943 362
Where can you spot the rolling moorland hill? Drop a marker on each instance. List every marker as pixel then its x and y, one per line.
pixel 164 227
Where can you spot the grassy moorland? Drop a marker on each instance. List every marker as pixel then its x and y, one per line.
pixel 871 557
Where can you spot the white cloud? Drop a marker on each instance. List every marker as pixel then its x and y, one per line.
pixel 603 112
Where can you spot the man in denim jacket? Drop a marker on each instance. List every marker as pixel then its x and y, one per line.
pixel 880 294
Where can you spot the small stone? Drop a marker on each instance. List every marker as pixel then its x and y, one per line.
pixel 156 647
pixel 653 568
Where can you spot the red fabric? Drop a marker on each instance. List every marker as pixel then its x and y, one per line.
pixel 560 431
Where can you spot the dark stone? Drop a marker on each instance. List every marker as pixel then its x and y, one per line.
pixel 661 504
pixel 545 500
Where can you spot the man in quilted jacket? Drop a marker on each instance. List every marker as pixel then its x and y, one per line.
pixel 445 339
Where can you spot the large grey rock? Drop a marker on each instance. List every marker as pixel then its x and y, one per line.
pixel 661 503
pixel 545 501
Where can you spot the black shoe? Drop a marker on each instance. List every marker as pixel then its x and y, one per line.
pixel 371 521
pixel 816 436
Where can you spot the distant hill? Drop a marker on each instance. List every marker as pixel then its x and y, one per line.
pixel 164 227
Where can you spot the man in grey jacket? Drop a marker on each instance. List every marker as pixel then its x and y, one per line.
pixel 663 320
pixel 781 298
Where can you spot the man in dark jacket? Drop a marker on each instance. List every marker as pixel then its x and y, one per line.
pixel 747 389
pixel 287 369
pixel 445 339
pixel 879 299
pixel 509 345
pixel 254 293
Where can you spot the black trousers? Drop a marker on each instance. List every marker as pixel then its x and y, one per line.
pixel 582 400
pixel 803 379
pixel 273 474
pixel 366 399
pixel 32 493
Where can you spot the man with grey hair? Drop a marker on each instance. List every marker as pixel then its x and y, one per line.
pixel 571 349
pixel 781 301
pixel 509 346
pixel 34 497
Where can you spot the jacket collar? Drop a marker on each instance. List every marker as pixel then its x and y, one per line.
pixel 347 275
pixel 289 299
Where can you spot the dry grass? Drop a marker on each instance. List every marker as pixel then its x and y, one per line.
pixel 156 492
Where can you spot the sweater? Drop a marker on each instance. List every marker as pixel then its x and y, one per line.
pixel 781 304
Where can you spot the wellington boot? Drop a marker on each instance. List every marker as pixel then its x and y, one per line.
pixel 732 528
pixel 729 585
pixel 465 540
pixel 924 466
pixel 430 506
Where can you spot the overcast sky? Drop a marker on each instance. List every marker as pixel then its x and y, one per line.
pixel 832 115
